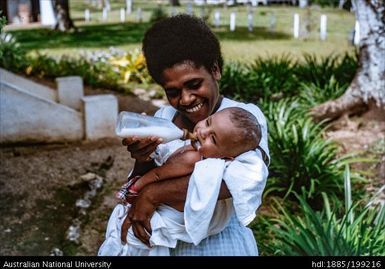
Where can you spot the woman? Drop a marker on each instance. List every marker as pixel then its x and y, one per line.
pixel 184 57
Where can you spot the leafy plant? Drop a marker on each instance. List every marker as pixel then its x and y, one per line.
pixel 301 158
pixel 3 21
pixel 12 56
pixel 312 94
pixel 323 233
pixel 158 14
pixel 131 67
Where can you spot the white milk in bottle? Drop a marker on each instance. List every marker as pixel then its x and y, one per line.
pixel 133 124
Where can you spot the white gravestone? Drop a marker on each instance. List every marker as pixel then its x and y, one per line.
pixel 217 18
pixel 296 26
pixel 47 14
pixel 87 15
pixel 129 6
pixel 323 27
pixel 122 15
pixel 232 21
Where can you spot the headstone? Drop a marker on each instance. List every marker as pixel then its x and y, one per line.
pixel 122 15
pixel 139 14
pixel 87 15
pixel 296 26
pixel 100 114
pixel 47 14
pixel 323 27
pixel 303 3
pixel 129 7
pixel 232 21
pixel 217 18
pixel 105 14
pixel 70 91
pixel 189 9
pixel 273 21
pixel 203 11
pixel 356 39
pixel 250 21
pixel 254 3
pixel 173 11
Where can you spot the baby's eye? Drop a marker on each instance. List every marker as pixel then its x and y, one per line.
pixel 207 123
pixel 213 140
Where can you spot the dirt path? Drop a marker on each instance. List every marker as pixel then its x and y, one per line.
pixel 41 188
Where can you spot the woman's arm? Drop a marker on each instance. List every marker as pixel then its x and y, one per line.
pixel 171 192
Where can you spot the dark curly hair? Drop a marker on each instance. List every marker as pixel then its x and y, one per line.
pixel 178 39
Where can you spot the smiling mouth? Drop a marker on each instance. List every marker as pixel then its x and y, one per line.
pixel 195 108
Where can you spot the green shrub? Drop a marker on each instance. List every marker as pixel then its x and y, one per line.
pixel 158 14
pixel 320 71
pixel 312 94
pixel 12 56
pixel 324 233
pixel 301 158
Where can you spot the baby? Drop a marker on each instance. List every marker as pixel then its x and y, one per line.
pixel 224 135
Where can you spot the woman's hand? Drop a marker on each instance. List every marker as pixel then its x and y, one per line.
pixel 139 216
pixel 141 148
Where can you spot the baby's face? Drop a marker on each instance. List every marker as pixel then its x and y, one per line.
pixel 216 135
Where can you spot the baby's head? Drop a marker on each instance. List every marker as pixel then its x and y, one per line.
pixel 228 133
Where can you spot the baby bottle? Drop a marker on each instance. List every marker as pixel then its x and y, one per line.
pixel 134 124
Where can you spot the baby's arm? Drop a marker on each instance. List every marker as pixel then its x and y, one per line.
pixel 181 163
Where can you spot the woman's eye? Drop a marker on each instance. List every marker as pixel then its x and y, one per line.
pixel 194 85
pixel 172 92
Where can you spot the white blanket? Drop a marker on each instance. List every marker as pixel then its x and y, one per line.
pixel 203 216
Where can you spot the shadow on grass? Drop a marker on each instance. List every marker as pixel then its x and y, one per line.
pixel 90 36
pixel 243 34
pixel 106 35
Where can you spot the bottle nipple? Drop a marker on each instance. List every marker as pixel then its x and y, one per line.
pixel 194 140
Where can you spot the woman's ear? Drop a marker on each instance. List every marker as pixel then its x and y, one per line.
pixel 216 72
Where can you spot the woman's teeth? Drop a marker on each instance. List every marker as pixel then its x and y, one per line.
pixel 195 108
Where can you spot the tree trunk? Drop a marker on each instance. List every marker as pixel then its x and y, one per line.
pixel 63 19
pixel 369 81
pixel 175 3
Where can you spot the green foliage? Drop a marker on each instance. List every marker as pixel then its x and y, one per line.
pixel 325 233
pixel 12 56
pixel 131 67
pixel 276 78
pixel 320 71
pixel 3 21
pixel 94 74
pixel 158 14
pixel 301 159
pixel 311 94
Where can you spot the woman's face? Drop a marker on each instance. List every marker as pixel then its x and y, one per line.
pixel 192 91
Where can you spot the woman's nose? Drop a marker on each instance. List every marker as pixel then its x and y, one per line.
pixel 187 98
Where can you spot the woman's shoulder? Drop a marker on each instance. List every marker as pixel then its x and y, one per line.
pixel 252 108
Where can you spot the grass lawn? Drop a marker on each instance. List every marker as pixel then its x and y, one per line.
pixel 238 45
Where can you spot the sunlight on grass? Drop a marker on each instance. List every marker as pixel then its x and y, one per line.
pixel 240 45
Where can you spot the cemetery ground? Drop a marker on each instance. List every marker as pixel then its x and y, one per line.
pixel 41 185
pixel 272 32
